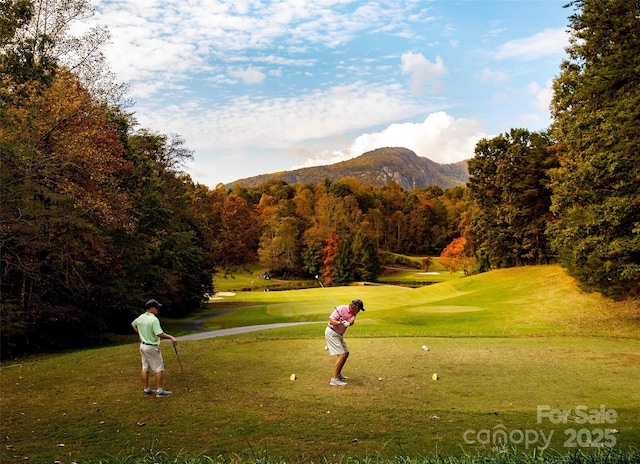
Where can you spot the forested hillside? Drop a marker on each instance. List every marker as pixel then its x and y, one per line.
pixel 377 168
pixel 97 214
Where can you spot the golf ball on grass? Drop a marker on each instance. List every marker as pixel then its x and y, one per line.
pixel 434 376
pixel 425 347
pixel 293 377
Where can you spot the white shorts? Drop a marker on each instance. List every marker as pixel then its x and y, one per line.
pixel 335 342
pixel 151 358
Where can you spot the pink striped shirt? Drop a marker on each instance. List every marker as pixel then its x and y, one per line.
pixel 341 313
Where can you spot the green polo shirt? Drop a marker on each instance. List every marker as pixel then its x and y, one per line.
pixel 148 328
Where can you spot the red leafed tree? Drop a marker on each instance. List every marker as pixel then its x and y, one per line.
pixel 329 256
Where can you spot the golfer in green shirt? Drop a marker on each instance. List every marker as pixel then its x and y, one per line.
pixel 147 326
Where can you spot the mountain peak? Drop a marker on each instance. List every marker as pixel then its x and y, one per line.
pixel 377 167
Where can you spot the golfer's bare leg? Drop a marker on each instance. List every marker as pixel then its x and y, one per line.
pixel 145 379
pixel 342 358
pixel 159 380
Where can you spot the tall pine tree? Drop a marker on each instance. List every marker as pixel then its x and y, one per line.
pixel 596 110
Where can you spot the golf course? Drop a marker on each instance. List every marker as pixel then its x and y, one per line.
pixel 517 360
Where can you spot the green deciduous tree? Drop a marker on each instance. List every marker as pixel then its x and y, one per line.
pixel 343 271
pixel 508 185
pixel 364 257
pixel 168 253
pixel 596 111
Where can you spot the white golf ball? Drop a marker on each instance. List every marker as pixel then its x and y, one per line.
pixel 293 377
pixel 425 347
pixel 434 376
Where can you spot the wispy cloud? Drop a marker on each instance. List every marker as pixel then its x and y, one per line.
pixel 151 37
pixel 550 42
pixel 487 76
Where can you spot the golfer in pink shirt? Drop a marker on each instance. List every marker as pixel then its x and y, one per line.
pixel 341 318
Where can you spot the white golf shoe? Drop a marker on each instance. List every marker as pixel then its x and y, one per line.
pixel 337 383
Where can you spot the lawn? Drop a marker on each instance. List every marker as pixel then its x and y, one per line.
pixel 251 278
pixel 523 359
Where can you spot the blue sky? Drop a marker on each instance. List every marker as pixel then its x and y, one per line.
pixel 258 86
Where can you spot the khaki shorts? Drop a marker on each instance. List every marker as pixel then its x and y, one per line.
pixel 151 358
pixel 335 342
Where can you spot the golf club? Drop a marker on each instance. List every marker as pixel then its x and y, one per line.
pixel 325 292
pixel 189 390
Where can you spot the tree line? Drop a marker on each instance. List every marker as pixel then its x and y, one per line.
pixel 97 214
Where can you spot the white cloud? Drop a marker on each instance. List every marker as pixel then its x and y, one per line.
pixel 249 75
pixel 550 42
pixel 170 40
pixel 540 104
pixel 440 138
pixel 542 95
pixel 422 71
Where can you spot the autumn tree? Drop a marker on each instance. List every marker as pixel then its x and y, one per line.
pixel 280 247
pixel 457 255
pixel 62 161
pixel 373 225
pixel 329 257
pixel 596 109
pixel 240 233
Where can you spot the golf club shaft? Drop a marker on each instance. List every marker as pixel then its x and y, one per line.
pixel 175 348
pixel 326 293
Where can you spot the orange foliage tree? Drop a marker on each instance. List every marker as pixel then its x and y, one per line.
pixel 457 256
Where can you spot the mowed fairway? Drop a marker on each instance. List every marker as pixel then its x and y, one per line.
pixel 522 357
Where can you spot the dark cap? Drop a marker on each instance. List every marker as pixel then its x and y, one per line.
pixel 153 304
pixel 358 304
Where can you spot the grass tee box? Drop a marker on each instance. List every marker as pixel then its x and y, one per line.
pixel 524 361
pixel 244 401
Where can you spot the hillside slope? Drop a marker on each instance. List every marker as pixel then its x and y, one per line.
pixel 528 300
pixel 377 168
